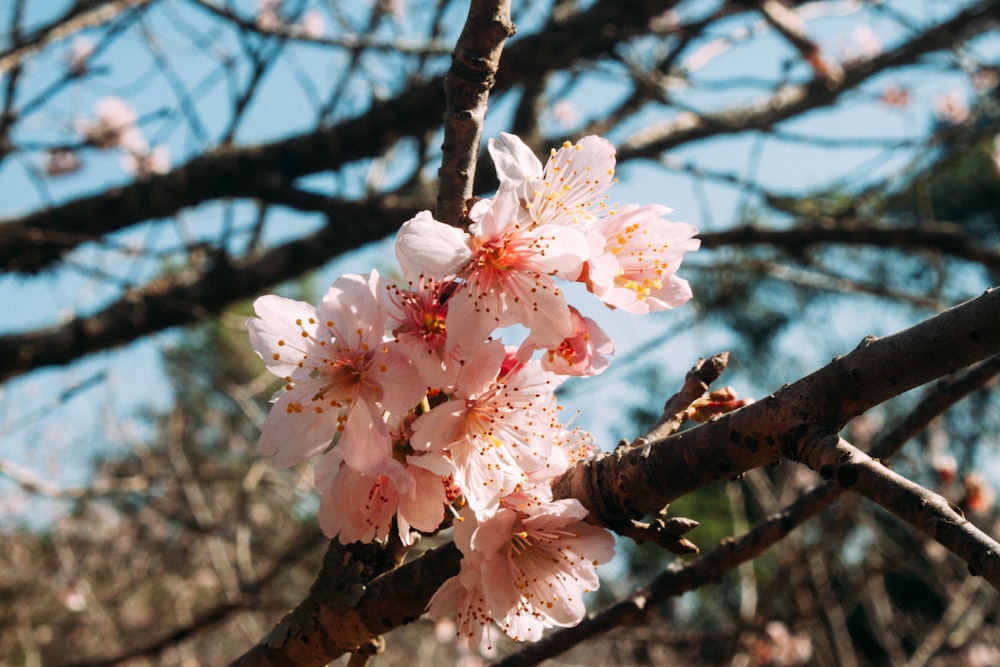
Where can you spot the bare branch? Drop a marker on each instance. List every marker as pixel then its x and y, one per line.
pixel 838 460
pixel 31 243
pixel 787 22
pixel 942 238
pixel 794 100
pixel 467 85
pixel 194 294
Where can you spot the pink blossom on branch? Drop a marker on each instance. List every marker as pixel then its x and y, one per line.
pixel 507 265
pixel 359 507
pixel 634 252
pixel 114 124
pixel 340 376
pixel 498 428
pixel 635 257
pixel 416 318
pixel 415 404
pixel 571 185
pixel 61 161
pixel 583 353
pixel 524 571
pixel 144 163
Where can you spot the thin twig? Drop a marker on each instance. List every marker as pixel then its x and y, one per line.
pixel 790 26
pixel 696 383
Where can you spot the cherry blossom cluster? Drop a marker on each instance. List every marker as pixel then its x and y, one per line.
pixel 114 126
pixel 415 411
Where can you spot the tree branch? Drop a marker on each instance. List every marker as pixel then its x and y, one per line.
pixel 32 242
pixel 192 295
pixel 795 100
pixel 838 460
pixel 70 23
pixel 392 599
pixel 732 553
pixel 696 383
pixel 132 316
pixel 633 482
pixel 467 86
pixel 941 238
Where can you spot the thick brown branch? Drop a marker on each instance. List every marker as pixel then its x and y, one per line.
pixel 467 86
pixel 634 482
pixel 400 596
pixel 390 600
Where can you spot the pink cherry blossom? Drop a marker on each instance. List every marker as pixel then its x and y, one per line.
pixel 148 162
pixel 583 353
pixel 507 264
pixel 312 25
pixel 951 108
pixel 61 161
pixel 267 14
pixel 417 407
pixel 115 120
pixel 635 257
pixel 431 249
pixel 524 571
pixel 494 432
pixel 569 447
pixel 461 595
pixel 79 54
pixel 510 278
pixel 416 317
pixel 340 376
pixel 895 96
pixel 359 507
pixel 569 187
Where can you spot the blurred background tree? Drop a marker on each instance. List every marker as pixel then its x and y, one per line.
pixel 163 161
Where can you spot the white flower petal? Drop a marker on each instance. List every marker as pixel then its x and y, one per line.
pixel 513 159
pixel 283 333
pixel 426 246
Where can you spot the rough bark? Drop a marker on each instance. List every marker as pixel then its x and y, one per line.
pixel 467 87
